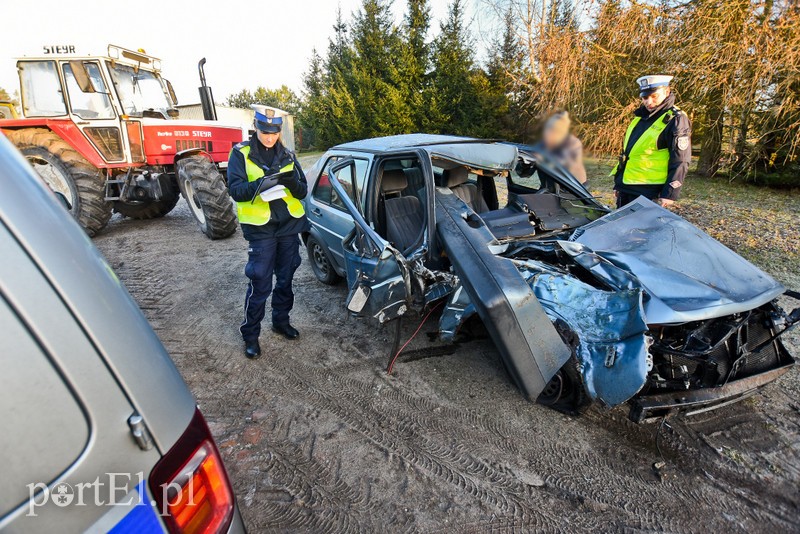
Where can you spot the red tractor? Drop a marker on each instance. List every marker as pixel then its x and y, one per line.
pixel 101 131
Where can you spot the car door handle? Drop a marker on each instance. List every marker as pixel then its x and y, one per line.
pixel 317 212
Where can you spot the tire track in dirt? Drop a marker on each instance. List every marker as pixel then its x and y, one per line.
pixel 403 444
pixel 460 467
pixel 494 474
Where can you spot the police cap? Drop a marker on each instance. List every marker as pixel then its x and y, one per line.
pixel 650 83
pixel 266 120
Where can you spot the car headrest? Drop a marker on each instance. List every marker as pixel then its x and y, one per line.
pixel 455 176
pixel 393 181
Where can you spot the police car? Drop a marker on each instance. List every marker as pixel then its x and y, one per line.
pixel 100 433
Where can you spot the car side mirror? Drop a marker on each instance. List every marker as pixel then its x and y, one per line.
pixel 82 77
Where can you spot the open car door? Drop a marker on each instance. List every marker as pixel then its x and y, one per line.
pixel 377 273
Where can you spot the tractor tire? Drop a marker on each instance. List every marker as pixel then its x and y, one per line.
pixel 203 188
pixel 67 172
pixel 150 209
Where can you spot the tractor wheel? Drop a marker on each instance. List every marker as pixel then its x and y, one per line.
pixel 67 173
pixel 150 209
pixel 204 189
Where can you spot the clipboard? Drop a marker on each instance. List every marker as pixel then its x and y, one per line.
pixel 268 182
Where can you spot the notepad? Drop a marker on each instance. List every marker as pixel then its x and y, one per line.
pixel 273 193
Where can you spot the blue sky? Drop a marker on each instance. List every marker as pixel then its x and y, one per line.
pixel 246 44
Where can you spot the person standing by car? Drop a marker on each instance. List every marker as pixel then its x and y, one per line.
pixel 562 145
pixel 657 147
pixel 270 226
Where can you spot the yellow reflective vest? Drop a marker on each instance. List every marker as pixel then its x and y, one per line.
pixel 257 212
pixel 646 163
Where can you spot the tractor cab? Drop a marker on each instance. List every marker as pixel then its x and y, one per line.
pixel 118 114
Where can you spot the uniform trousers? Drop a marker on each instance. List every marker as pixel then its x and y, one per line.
pixel 278 257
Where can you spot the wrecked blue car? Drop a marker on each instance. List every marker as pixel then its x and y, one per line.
pixel 583 303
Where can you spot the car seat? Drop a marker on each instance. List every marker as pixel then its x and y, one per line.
pixel 456 180
pixel 404 217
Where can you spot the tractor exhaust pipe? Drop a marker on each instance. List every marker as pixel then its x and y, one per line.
pixel 206 96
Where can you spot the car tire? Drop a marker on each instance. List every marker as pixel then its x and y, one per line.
pixel 68 173
pixel 203 188
pixel 565 391
pixel 150 209
pixel 321 263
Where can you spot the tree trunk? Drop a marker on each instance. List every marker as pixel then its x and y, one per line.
pixel 711 147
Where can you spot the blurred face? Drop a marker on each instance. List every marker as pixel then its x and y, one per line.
pixel 653 100
pixel 268 139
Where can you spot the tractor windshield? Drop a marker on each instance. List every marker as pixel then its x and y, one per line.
pixel 140 91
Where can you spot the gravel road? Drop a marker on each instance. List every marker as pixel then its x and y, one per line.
pixel 317 437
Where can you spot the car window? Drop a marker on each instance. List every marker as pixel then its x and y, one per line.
pixel 325 193
pixel 322 189
pixel 532 182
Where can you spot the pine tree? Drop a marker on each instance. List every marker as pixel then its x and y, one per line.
pixel 415 61
pixel 311 116
pixel 454 100
pixel 504 69
pixel 376 82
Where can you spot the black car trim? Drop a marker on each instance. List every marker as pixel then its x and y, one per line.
pixel 529 345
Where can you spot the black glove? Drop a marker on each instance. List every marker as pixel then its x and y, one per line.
pixel 288 180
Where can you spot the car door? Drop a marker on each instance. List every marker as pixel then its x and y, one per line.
pixel 327 212
pixel 378 274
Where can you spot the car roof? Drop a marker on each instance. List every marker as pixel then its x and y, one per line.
pixel 481 153
pixel 396 142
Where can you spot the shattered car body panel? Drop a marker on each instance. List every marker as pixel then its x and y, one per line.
pixel 583 304
pixel 688 275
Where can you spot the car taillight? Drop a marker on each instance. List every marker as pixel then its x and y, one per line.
pixel 135 141
pixel 190 485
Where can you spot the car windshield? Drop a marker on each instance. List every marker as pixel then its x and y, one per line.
pixel 139 91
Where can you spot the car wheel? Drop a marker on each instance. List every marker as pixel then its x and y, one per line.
pixel 565 391
pixel 321 263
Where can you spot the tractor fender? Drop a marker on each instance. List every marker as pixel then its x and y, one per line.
pixel 192 152
pixel 72 135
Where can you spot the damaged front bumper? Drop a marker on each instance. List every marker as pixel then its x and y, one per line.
pixel 650 407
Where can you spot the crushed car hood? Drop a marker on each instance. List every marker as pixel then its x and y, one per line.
pixel 686 274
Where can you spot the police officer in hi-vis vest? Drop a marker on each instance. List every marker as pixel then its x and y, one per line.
pixel 657 147
pixel 271 219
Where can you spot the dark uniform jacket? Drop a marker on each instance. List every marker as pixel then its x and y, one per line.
pixel 676 137
pixel 281 223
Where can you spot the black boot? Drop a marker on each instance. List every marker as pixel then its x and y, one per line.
pixel 252 349
pixel 286 330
